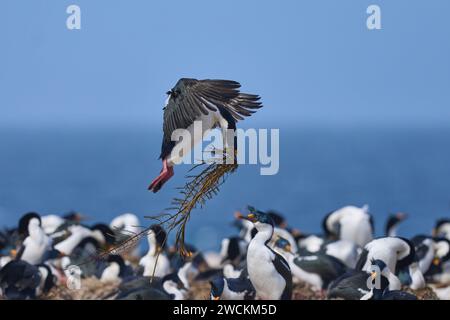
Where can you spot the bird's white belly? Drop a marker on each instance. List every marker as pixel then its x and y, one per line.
pixel 35 249
pixel 162 265
pixel 268 283
pixel 196 134
pixel 33 254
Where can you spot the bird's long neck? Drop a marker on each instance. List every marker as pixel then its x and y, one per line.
pixel 265 232
pixel 36 233
pixel 152 245
pixel 391 227
pixel 183 273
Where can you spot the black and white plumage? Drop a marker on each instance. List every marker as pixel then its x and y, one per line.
pixel 240 288
pixel 345 251
pixel 352 285
pixel 125 226
pixel 442 228
pixel 349 223
pixel 317 269
pixel 21 280
pixel 396 252
pixel 37 246
pixel 392 223
pixel 431 254
pixel 75 234
pixel 229 271
pixel 155 262
pixel 170 287
pixel 51 223
pixel 213 102
pixel 115 269
pixel 233 250
pixel 425 251
pixel 268 271
pixel 309 242
pixel 173 286
pixel 394 295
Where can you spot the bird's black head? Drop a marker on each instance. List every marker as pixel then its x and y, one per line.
pixel 393 220
pixel 160 235
pixel 106 231
pixel 74 216
pixel 378 263
pixel 217 286
pixel 89 242
pixel 117 259
pixel 442 249
pixel 256 216
pixel 441 222
pixel 437 232
pixel 24 221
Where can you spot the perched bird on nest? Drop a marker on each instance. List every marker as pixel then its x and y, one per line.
pixel 269 272
pixel 213 102
pixel 155 262
pixel 317 269
pixel 22 280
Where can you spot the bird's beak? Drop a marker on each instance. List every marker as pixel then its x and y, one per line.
pixel 373 275
pixel 288 248
pixel 216 298
pixel 250 217
pixel 13 253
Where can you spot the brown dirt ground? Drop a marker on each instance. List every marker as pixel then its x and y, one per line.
pixel 93 289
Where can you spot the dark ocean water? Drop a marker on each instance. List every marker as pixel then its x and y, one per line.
pixel 104 172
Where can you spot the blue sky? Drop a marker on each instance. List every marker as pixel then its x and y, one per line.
pixel 313 62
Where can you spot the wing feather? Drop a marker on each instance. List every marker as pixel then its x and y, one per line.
pixel 190 98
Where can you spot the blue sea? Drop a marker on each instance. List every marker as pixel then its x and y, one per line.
pixel 105 171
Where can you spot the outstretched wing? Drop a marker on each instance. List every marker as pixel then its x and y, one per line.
pixel 190 98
